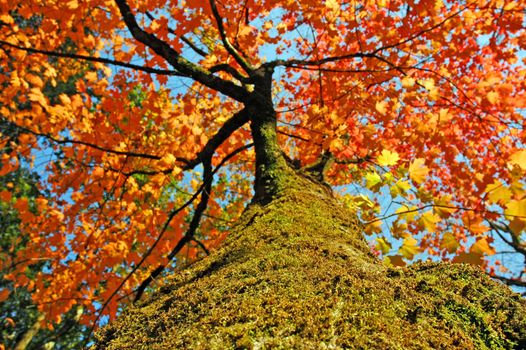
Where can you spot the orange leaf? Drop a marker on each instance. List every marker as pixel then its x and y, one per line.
pixel 482 247
pixel 468 258
pixel 4 294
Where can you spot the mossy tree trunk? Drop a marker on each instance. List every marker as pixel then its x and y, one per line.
pixel 296 273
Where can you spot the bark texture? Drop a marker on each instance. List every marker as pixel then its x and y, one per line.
pixel 296 273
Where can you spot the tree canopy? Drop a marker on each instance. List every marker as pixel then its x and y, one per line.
pixel 160 120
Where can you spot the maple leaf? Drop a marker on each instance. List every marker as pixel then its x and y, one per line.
pixel 383 245
pixel 381 107
pixel 516 208
pixel 481 246
pixel 387 158
pixel 492 97
pixel 418 170
pixel 428 221
pixel 443 206
pixel 409 248
pixel 519 158
pixel 395 260
pixel 498 192
pixel 373 181
pixel 449 242
pixel 468 258
pixel 400 188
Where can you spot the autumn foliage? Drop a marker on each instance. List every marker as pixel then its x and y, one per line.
pixel 138 114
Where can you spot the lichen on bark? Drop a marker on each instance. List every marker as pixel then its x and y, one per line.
pixel 296 273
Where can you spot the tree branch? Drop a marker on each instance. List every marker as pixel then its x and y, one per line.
pixel 515 243
pixel 205 189
pixel 229 127
pixel 373 54
pixel 228 46
pixel 510 281
pixel 93 59
pixel 87 144
pixel 181 64
pixel 180 244
pixel 182 37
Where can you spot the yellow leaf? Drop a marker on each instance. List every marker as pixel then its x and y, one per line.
pixel 381 3
pixel 382 245
pixel 360 201
pixel 381 107
pixel 443 208
pixel 400 187
pixel 373 227
pixel 409 248
pixel 72 4
pixel 398 230
pixel 492 97
pixel 519 158
pixel 429 84
pixel 167 161
pixel 418 171
pixel 517 188
pixel 408 81
pixel 482 247
pixel 407 213
pixel 7 19
pixel 516 208
pixel 388 158
pixel 332 5
pixel 449 242
pixel 444 115
pixel 497 192
pixel 428 221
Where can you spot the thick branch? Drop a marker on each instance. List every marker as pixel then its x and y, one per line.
pixel 228 128
pixel 173 57
pixel 515 243
pixel 510 281
pixel 178 247
pixel 205 189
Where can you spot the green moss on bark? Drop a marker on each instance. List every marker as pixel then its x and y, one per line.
pixel 296 273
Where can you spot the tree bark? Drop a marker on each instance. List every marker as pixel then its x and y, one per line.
pixel 296 273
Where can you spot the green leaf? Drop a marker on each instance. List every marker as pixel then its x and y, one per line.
pixel 373 181
pixel 383 245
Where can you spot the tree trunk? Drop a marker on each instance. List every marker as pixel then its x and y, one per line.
pixel 296 273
